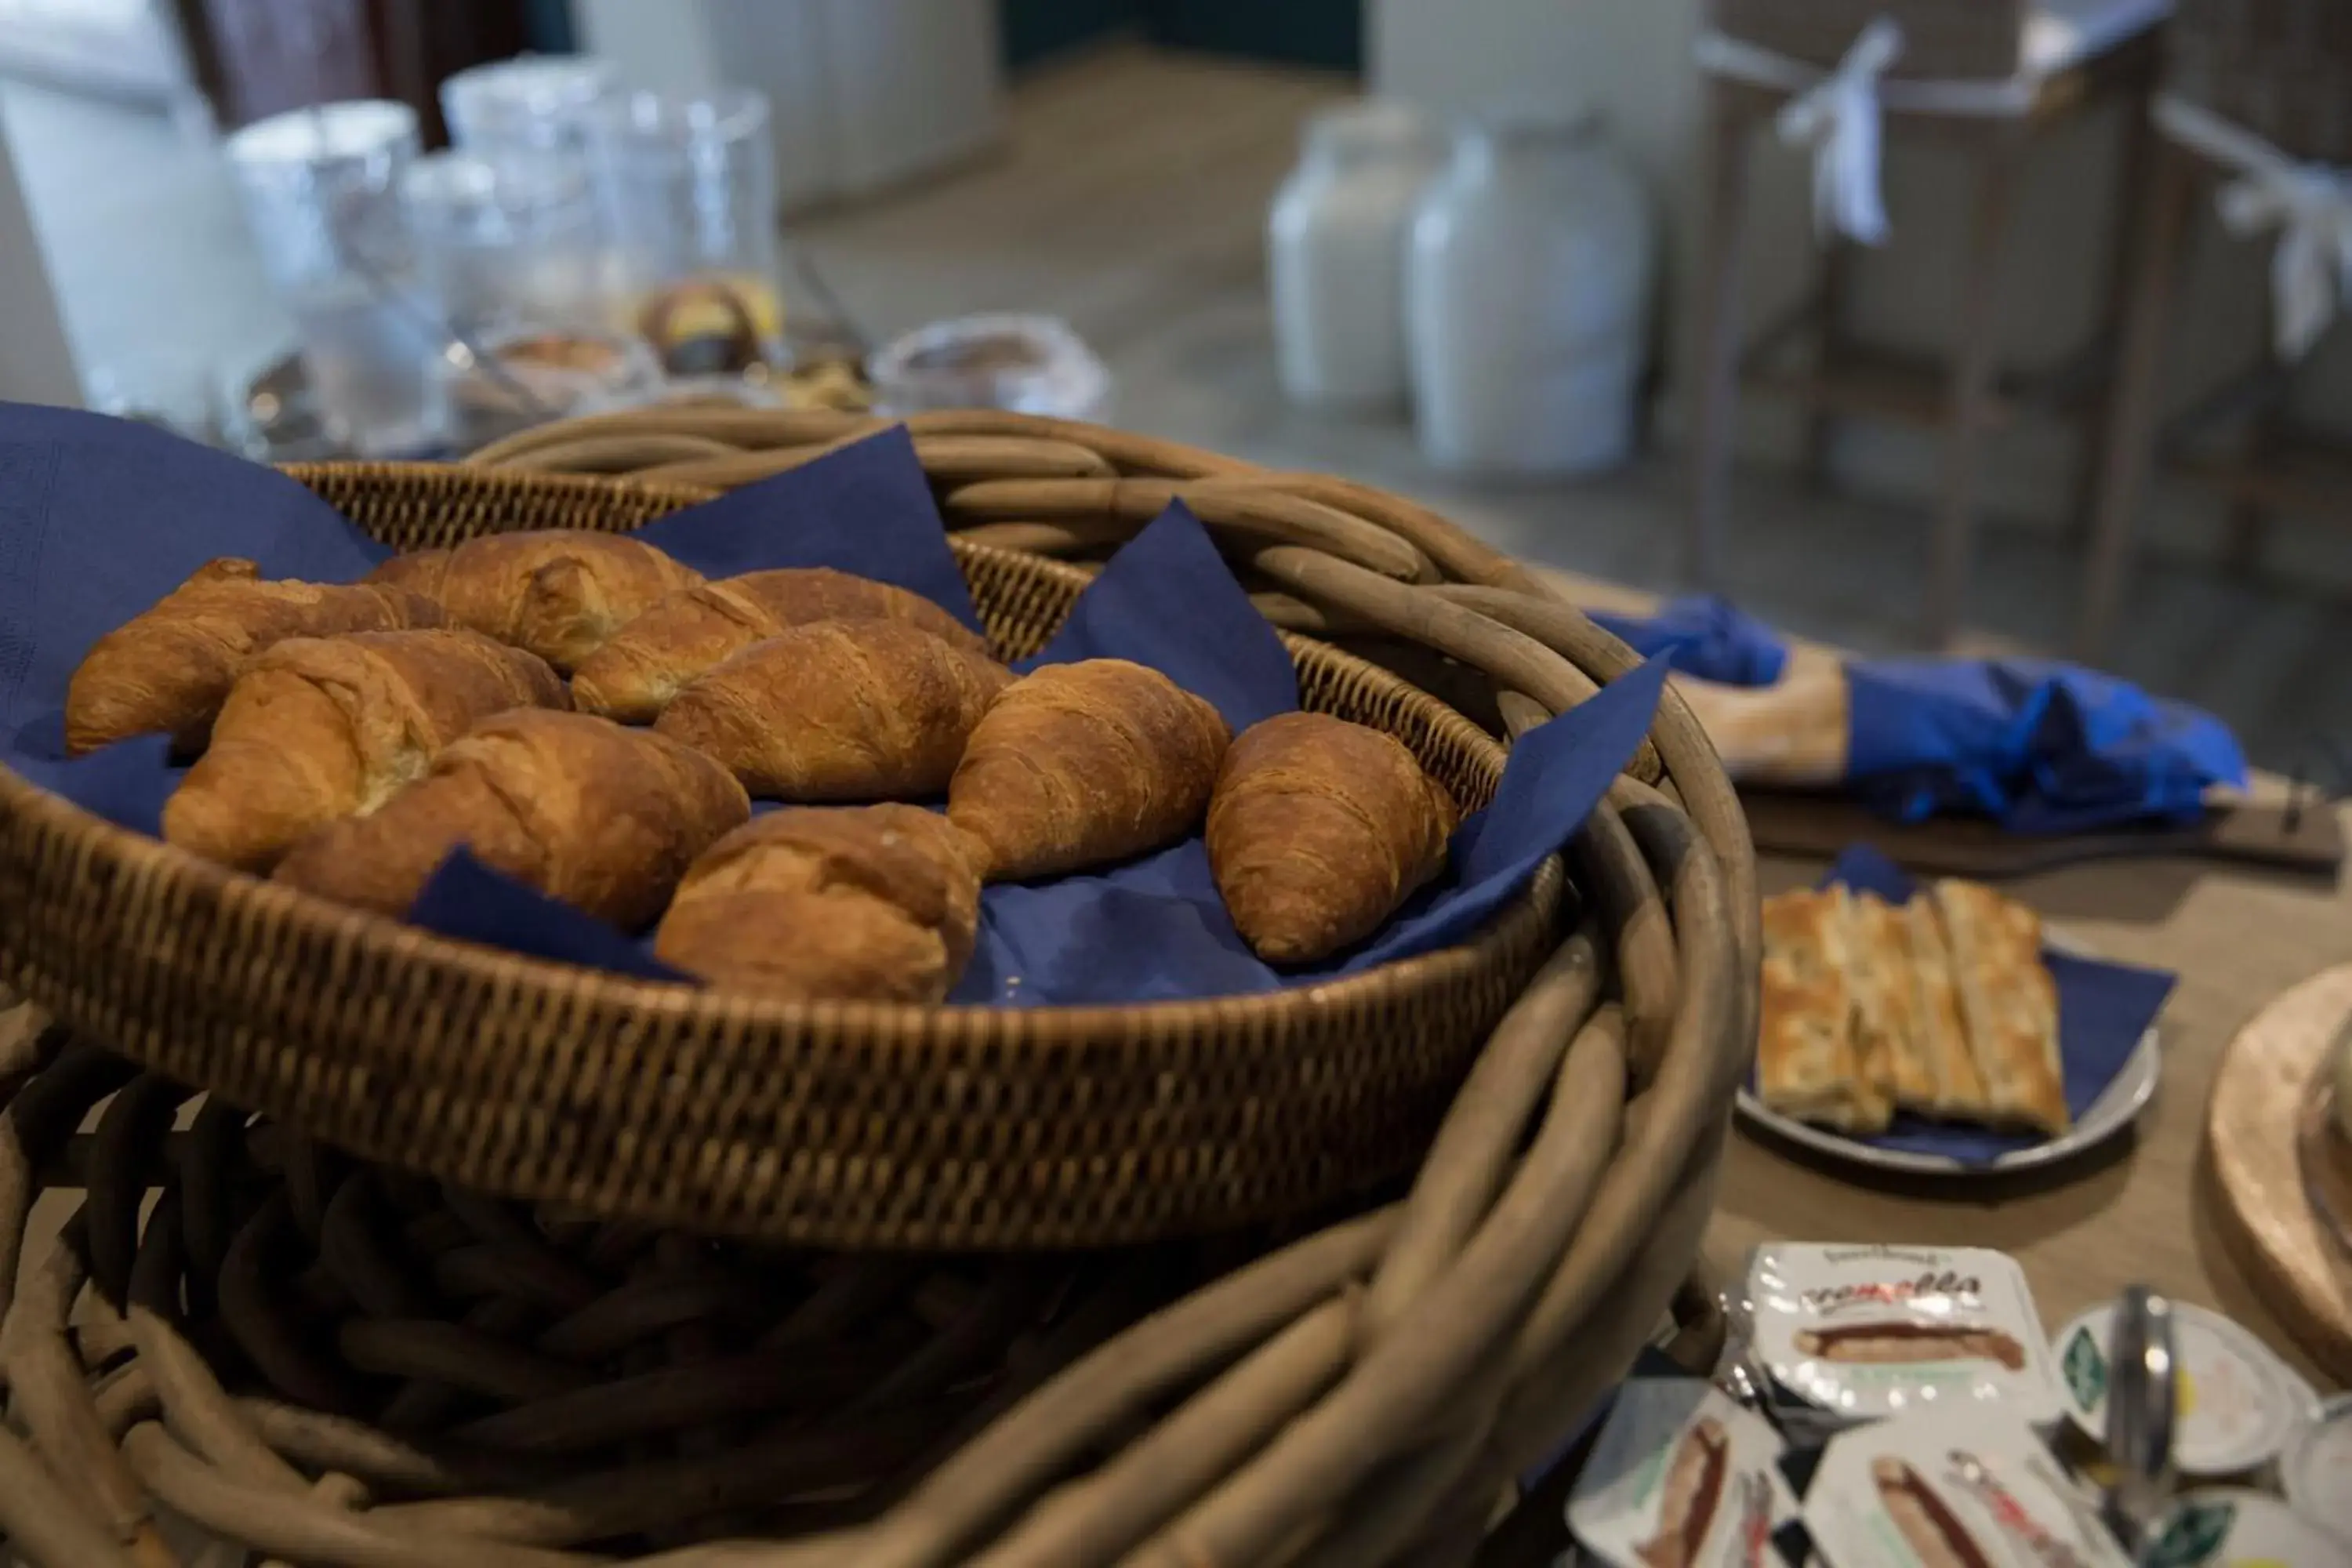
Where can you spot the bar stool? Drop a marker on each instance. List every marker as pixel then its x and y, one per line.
pixel 2258 102
pixel 1989 76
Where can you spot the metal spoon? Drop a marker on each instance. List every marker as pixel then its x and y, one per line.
pixel 2143 1399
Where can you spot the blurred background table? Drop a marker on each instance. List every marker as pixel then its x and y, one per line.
pixel 2143 1210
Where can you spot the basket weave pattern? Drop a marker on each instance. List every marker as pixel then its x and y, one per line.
pixel 337 1363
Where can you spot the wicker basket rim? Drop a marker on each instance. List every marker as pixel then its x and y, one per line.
pixel 896 1023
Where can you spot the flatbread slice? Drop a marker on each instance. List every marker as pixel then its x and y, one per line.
pixel 1886 1003
pixel 1807 1062
pixel 1953 1087
pixel 2009 1002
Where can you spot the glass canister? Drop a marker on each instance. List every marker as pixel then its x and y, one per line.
pixel 1335 254
pixel 531 104
pixel 511 242
pixel 324 195
pixel 1527 291
pixel 688 189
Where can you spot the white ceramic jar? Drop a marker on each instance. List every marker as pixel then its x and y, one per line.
pixel 1527 289
pixel 1335 254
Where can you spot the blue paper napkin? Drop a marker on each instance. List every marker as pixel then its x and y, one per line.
pixel 2104 1009
pixel 2036 745
pixel 1706 637
pixel 1151 930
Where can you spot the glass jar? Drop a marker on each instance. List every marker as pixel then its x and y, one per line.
pixel 1029 365
pixel 324 196
pixel 1335 254
pixel 689 190
pixel 1527 291
pixel 533 104
pixel 509 242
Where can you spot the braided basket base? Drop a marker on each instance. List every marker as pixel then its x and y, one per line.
pixel 229 1334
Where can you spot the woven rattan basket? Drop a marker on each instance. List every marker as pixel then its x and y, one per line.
pixel 334 1361
pixel 896 1126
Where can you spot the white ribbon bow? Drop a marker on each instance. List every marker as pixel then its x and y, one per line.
pixel 2311 271
pixel 1838 117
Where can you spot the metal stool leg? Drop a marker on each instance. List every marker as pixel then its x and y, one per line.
pixel 1715 340
pixel 2127 445
pixel 1971 389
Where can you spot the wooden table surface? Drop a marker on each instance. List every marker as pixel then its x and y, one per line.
pixel 2144 1214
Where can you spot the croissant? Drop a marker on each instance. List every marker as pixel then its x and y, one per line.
pixel 318 727
pixel 863 903
pixel 634 676
pixel 1078 765
pixel 559 592
pixel 169 668
pixel 842 710
pixel 603 817
pixel 1318 829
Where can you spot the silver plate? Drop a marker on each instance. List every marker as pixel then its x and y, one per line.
pixel 2111 1113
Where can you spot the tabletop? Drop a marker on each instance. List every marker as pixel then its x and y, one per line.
pixel 2144 1212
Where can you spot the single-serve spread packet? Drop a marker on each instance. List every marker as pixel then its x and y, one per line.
pixel 1682 1477
pixel 2230 1527
pixel 1859 1333
pixel 2239 1405
pixel 1971 1488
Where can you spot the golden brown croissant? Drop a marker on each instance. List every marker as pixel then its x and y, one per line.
pixel 603 817
pixel 1078 765
pixel 559 592
pixel 169 668
pixel 863 903
pixel 1319 830
pixel 318 728
pixel 634 676
pixel 842 710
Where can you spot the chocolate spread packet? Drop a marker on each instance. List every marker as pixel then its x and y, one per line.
pixel 1681 1476
pixel 1860 1334
pixel 1958 1488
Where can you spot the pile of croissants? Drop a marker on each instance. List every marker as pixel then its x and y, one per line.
pixel 593 718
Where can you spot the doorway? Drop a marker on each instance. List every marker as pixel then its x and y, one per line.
pixel 1328 34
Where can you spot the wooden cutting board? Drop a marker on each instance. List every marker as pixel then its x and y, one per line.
pixel 1792 822
pixel 2261 1092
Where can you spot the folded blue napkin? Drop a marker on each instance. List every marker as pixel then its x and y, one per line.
pixel 2104 1009
pixel 99 518
pixel 2037 745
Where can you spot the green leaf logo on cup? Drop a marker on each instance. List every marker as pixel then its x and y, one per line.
pixel 2087 1369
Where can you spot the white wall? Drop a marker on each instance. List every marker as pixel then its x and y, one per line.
pixel 35 365
pixel 1632 57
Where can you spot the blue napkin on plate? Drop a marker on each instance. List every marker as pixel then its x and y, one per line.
pixel 2036 745
pixel 2104 1009
pixel 1153 929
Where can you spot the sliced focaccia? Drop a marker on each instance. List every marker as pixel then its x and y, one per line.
pixel 1943 1080
pixel 1878 967
pixel 1808 1064
pixel 2008 1003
